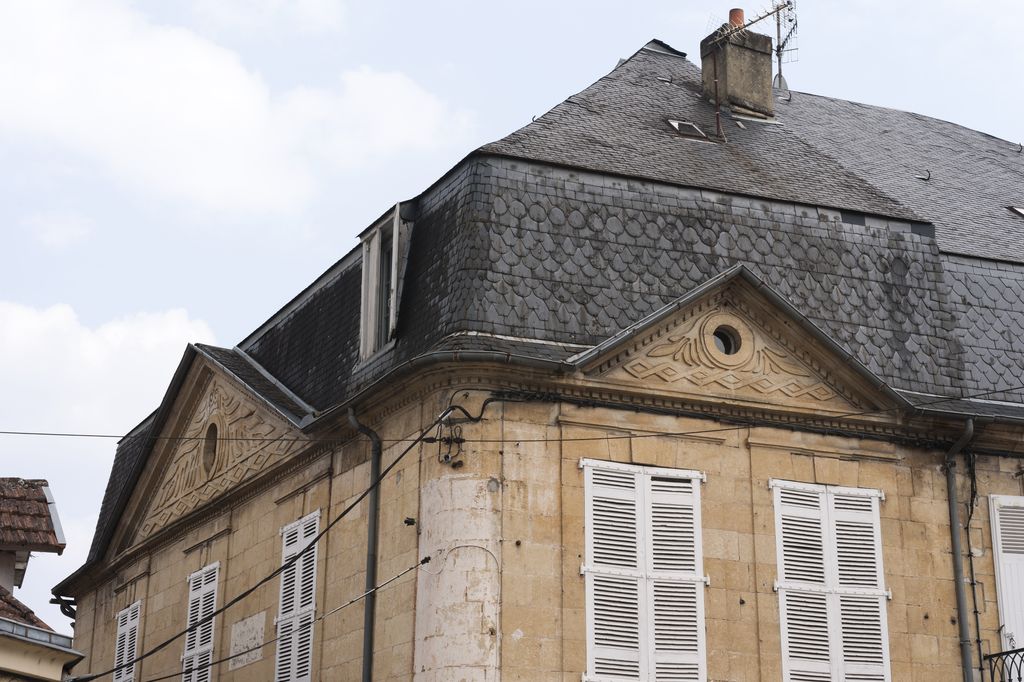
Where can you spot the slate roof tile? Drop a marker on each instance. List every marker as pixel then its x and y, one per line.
pixel 598 213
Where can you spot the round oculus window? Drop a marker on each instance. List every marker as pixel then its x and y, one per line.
pixel 210 448
pixel 727 340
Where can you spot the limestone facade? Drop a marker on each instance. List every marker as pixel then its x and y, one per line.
pixel 502 513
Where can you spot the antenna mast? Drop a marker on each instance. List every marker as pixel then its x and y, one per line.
pixel 785 16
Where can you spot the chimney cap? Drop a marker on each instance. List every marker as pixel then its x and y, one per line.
pixel 736 17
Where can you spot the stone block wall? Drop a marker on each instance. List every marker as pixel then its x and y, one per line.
pixel 503 595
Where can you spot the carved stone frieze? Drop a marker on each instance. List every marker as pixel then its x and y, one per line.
pixel 226 440
pixel 725 351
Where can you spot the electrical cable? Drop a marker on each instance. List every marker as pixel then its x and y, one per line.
pixel 350 602
pixel 420 438
pixel 294 558
pixel 864 413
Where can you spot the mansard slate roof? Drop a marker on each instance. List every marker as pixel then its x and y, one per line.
pixel 597 214
pixel 823 152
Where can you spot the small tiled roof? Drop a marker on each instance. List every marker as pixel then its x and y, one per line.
pixel 12 609
pixel 28 518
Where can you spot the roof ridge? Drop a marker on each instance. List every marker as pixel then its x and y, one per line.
pixel 895 110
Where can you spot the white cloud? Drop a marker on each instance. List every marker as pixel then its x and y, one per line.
pixel 372 115
pixel 306 16
pixel 58 229
pixel 61 375
pixel 167 111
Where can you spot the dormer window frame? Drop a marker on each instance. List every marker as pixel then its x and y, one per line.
pixel 383 250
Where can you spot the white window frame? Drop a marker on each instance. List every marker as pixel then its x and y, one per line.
pixel 1010 637
pixel 127 620
pixel 197 659
pixel 831 590
pixel 645 571
pixel 297 602
pixel 370 338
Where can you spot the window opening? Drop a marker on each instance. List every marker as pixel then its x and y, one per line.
pixel 384 286
pixel 210 449
pixel 832 598
pixel 644 573
pixel 197 661
pixel 727 340
pixel 296 616
pixel 126 642
pixel 687 129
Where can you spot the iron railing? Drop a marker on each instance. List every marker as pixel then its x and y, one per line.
pixel 1006 666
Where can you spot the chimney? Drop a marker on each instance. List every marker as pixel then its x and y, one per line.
pixel 742 63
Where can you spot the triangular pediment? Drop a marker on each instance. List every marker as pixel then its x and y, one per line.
pixel 218 436
pixel 730 341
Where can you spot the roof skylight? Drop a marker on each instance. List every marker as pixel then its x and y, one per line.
pixel 687 129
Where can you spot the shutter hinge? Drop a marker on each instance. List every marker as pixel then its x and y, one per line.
pixel 775 586
pixel 888 595
pixel 707 580
pixel 583 569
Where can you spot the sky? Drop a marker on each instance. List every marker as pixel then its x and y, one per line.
pixel 176 172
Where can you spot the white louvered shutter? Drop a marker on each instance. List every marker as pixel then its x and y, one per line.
pixel 127 641
pixel 202 602
pixel 831 592
pixel 297 608
pixel 675 579
pixel 860 585
pixel 800 529
pixel 1007 514
pixel 644 587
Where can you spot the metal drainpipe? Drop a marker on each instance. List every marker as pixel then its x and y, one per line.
pixel 373 515
pixel 970 564
pixel 958 564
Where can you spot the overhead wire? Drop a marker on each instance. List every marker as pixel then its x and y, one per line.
pixel 238 654
pixel 551 397
pixel 422 438
pixel 295 557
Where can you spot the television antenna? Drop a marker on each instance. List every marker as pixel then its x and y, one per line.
pixel 785 45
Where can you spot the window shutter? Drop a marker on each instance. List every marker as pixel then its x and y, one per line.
pixel 645 601
pixel 297 607
pixel 803 603
pixel 126 641
pixel 831 591
pixel 676 588
pixel 202 602
pixel 1007 514
pixel 858 556
pixel 613 577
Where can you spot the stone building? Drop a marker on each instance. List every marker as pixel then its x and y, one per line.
pixel 29 648
pixel 664 388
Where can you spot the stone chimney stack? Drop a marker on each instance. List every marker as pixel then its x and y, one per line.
pixel 742 65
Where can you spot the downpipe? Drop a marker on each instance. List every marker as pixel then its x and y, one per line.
pixel 962 621
pixel 373 516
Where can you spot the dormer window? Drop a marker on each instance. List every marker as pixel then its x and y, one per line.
pixel 383 260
